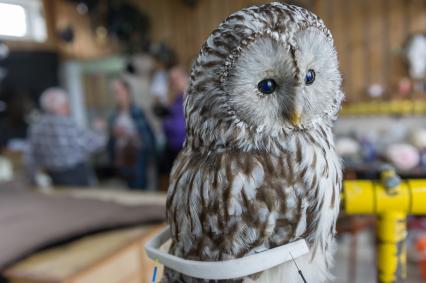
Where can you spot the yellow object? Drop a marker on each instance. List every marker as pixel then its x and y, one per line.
pixel 392 205
pixel 396 107
pixel 391 235
pixel 367 197
pixel 295 119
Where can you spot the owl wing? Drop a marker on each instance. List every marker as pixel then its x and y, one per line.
pixel 227 205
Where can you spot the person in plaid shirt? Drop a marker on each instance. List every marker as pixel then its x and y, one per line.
pixel 59 146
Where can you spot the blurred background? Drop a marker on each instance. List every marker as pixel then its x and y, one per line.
pixel 91 120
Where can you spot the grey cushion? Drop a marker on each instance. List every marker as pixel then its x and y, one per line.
pixel 30 221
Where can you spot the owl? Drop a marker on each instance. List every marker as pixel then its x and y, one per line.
pixel 259 168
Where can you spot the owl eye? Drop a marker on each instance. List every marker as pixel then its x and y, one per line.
pixel 310 77
pixel 267 86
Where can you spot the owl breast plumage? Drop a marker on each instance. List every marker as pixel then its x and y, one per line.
pixel 258 168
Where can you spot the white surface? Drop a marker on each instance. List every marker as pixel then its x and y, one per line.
pixel 71 73
pixel 229 269
pixel 22 20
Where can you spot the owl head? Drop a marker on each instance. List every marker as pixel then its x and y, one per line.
pixel 266 70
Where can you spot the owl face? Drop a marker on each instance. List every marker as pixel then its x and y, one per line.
pixel 278 81
pixel 265 71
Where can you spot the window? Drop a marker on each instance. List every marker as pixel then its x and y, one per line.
pixel 13 20
pixel 22 20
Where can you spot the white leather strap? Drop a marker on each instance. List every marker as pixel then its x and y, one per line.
pixel 227 269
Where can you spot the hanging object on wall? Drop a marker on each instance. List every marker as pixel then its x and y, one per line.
pixel 404 87
pixel 129 25
pixel 190 3
pixel 66 34
pixel 375 90
pixel 117 19
pixel 84 7
pixel 101 34
pixel 415 54
pixel 164 54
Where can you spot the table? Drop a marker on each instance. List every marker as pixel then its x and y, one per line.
pixel 110 257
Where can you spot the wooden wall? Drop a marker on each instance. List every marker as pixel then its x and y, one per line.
pixel 368 33
pixel 186 28
pixel 85 45
pixel 60 14
pixel 369 36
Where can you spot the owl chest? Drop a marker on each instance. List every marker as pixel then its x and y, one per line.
pixel 302 182
pixel 301 165
pixel 230 203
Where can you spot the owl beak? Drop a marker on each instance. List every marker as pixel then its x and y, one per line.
pixel 296 118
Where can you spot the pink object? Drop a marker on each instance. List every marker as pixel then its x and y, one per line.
pixel 404 86
pixel 403 156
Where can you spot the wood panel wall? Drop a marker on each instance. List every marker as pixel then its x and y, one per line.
pixel 368 34
pixel 60 14
pixel 84 45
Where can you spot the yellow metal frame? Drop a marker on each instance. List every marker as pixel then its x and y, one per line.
pixel 392 206
pixel 396 107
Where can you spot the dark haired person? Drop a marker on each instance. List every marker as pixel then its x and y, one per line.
pixel 174 119
pixel 132 142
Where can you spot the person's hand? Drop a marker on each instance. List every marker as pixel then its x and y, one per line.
pixel 99 124
pixel 119 132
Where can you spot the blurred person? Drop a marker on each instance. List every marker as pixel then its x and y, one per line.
pixel 164 60
pixel 132 141
pixel 174 120
pixel 138 75
pixel 159 84
pixel 61 147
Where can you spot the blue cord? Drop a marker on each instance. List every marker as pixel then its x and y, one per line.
pixel 154 273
